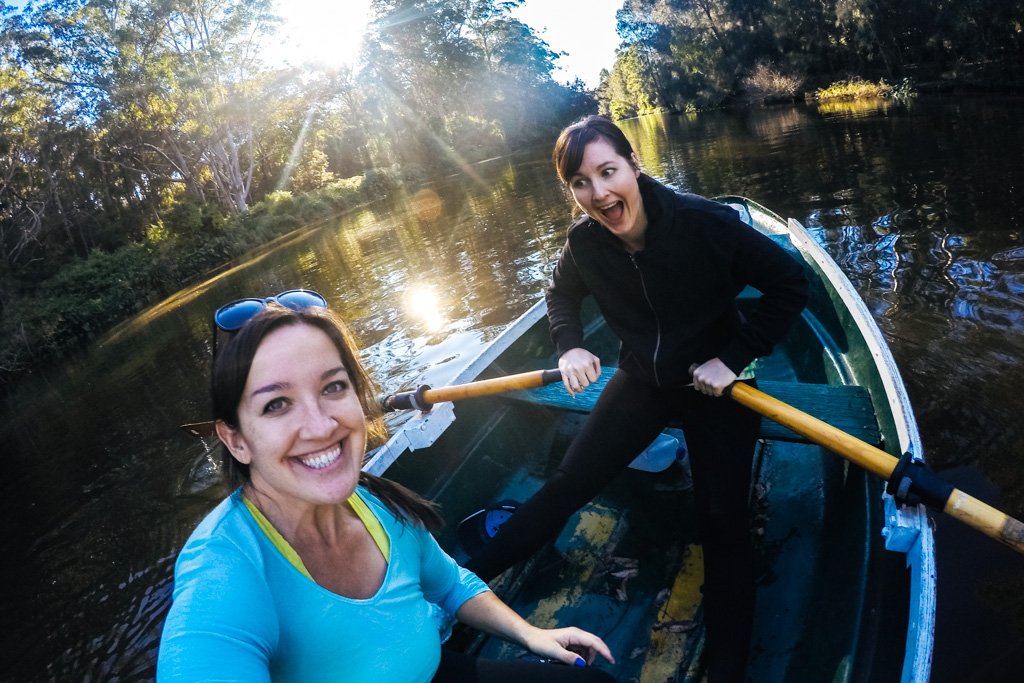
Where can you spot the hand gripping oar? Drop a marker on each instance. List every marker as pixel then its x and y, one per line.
pixel 424 397
pixel 906 478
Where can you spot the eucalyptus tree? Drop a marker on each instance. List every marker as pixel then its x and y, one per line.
pixel 677 53
pixel 212 50
pixel 419 64
pixel 515 86
pixel 452 77
pixel 46 199
pixel 22 109
pixel 168 86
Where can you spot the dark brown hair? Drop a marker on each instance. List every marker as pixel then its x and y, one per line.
pixel 231 369
pixel 568 152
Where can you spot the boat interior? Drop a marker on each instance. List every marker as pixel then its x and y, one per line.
pixel 628 566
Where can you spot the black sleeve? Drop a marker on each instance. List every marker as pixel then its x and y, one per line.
pixel 564 296
pixel 760 262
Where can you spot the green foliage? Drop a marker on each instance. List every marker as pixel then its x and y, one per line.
pixel 279 198
pixel 94 292
pixel 458 81
pixel 477 136
pixel 312 172
pixel 379 183
pixel 88 297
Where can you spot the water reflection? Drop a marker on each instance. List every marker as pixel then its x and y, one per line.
pixel 918 206
pixel 862 108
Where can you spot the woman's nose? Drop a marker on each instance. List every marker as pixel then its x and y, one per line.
pixel 316 422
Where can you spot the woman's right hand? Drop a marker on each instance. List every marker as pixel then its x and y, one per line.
pixel 572 646
pixel 580 368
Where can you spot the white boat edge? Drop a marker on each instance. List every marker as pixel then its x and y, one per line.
pixel 907 529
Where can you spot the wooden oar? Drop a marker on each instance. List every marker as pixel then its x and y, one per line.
pixel 425 397
pixel 904 476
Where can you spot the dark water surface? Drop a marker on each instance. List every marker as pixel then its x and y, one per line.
pixel 920 205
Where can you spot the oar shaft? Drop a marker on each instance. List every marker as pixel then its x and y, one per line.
pixel 963 507
pixel 488 387
pixel 424 397
pixel 875 460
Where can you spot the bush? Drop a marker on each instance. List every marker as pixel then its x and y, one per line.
pixel 904 90
pixel 853 90
pixel 768 81
pixel 87 297
pixel 620 110
pixel 186 219
pixel 379 183
pixel 476 137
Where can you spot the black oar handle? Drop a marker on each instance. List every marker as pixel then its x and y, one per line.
pixel 407 400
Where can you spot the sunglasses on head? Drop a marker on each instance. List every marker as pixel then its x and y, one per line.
pixel 233 316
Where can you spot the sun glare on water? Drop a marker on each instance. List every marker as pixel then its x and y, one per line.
pixel 423 303
pixel 322 32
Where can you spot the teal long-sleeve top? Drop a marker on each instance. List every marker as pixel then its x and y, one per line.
pixel 242 611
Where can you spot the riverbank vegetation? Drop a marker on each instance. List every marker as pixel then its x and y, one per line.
pixel 144 143
pixel 694 54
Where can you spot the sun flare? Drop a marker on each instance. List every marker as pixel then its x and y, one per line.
pixel 423 303
pixel 318 32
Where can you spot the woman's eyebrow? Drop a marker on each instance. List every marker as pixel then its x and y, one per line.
pixel 334 371
pixel 276 386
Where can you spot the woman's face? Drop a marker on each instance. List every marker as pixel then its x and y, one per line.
pixel 605 187
pixel 301 427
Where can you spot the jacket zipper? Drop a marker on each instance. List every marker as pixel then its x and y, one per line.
pixel 657 320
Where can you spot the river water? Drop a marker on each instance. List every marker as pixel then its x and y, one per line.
pixel 921 206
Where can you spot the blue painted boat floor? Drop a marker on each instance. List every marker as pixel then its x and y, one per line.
pixel 616 562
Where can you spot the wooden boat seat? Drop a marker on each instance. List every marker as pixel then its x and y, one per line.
pixel 846 407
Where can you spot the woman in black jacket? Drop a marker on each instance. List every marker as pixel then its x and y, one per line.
pixel 665 269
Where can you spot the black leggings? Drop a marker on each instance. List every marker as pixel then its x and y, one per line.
pixel 720 437
pixel 457 667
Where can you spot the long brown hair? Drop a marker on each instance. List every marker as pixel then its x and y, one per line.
pixel 231 369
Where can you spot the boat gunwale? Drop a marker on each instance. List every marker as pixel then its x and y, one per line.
pixel 921 554
pixel 382 458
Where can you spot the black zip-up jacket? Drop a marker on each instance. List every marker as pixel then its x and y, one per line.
pixel 673 303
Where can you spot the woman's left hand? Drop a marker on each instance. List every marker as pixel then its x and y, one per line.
pixel 571 645
pixel 713 377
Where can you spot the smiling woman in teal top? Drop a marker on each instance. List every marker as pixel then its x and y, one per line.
pixel 313 570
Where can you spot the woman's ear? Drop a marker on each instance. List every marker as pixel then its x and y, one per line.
pixel 635 160
pixel 233 440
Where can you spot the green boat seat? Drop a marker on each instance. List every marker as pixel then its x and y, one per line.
pixel 846 407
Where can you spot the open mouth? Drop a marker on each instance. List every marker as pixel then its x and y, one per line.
pixel 614 212
pixel 319 461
